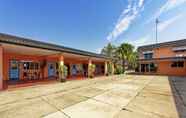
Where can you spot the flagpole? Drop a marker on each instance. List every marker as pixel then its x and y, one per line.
pixel 157 30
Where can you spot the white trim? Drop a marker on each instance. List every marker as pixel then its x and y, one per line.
pixel 179 48
pixel 147 52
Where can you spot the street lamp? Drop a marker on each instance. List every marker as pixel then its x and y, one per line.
pixel 157 21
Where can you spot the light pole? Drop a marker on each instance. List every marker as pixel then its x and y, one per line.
pixel 157 21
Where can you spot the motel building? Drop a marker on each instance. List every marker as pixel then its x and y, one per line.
pixel 24 60
pixel 167 58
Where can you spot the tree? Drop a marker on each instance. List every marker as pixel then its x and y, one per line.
pixel 109 50
pixel 120 55
pixel 124 52
pixel 133 60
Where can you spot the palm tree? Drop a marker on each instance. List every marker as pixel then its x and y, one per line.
pixel 124 52
pixel 133 60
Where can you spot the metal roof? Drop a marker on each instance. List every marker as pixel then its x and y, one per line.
pixel 164 44
pixel 10 39
pixel 165 58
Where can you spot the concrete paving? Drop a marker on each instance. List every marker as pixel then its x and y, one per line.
pixel 122 96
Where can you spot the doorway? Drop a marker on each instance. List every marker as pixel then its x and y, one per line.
pixel 51 69
pixel 14 70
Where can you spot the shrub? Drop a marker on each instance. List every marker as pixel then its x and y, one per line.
pixel 119 69
pixel 110 69
pixel 91 70
pixel 63 72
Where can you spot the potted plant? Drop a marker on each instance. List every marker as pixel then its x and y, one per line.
pixel 63 72
pixel 92 68
pixel 110 69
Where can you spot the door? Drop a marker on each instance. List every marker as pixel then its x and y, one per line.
pixel 14 70
pixel 142 67
pixel 51 69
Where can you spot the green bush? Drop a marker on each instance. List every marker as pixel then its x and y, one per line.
pixel 91 70
pixel 110 69
pixel 63 72
pixel 119 70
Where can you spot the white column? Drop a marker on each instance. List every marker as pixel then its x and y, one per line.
pixel 89 65
pixel 113 68
pixel 106 68
pixel 1 67
pixel 61 64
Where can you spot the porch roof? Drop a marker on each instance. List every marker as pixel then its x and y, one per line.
pixel 10 39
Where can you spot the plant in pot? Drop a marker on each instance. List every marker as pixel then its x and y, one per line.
pixel 110 69
pixel 63 72
pixel 92 69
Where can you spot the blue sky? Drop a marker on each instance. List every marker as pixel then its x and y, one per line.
pixel 91 24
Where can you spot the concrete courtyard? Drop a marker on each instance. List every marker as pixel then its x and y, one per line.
pixel 122 96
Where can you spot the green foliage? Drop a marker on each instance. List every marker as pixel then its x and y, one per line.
pixel 119 69
pixel 133 60
pixel 92 68
pixel 121 55
pixel 63 72
pixel 124 51
pixel 110 68
pixel 109 50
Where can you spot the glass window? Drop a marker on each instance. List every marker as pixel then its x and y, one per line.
pixel 30 65
pixel 148 55
pixel 181 64
pixel 51 66
pixel 25 66
pixel 177 64
pixel 36 66
pixel 14 65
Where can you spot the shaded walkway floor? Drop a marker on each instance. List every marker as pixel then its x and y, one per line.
pixel 128 96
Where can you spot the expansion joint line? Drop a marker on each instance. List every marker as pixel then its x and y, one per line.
pixel 55 107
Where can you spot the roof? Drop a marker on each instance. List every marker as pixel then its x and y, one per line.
pixel 165 58
pixel 164 44
pixel 10 39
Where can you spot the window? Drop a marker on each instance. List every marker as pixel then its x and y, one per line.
pixel 148 55
pixel 177 64
pixel 30 65
pixel 26 65
pixel 14 65
pixel 181 64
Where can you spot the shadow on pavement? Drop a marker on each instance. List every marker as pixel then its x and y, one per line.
pixel 178 87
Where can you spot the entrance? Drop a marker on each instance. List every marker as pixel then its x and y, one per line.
pixel 14 70
pixel 51 69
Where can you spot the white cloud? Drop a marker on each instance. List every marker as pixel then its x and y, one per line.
pixel 162 26
pixel 148 39
pixel 142 41
pixel 169 5
pixel 98 50
pixel 173 3
pixel 126 18
pixel 141 2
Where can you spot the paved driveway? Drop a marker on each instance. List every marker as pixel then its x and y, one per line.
pixel 123 96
